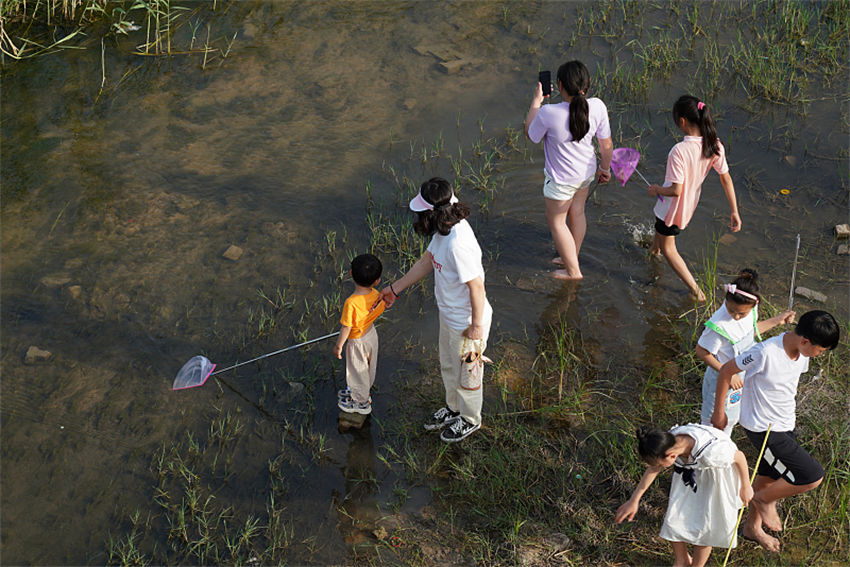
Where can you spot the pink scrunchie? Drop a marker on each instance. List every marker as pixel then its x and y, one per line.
pixel 700 105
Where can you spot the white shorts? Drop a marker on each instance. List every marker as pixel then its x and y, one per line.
pixel 562 192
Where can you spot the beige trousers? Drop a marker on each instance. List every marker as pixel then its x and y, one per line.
pixel 361 363
pixel 467 402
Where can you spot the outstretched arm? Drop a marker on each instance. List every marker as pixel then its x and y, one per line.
pixel 627 511
pixel 724 379
pixel 536 103
pixel 417 271
pixel 729 189
pixel 784 318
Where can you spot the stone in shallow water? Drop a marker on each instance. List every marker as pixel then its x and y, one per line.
pixel 810 294
pixel 727 239
pixel 55 280
pixel 35 355
pixel 348 421
pixel 232 253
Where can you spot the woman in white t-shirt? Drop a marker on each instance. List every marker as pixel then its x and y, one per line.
pixel 465 314
pixel 567 130
pixel 730 331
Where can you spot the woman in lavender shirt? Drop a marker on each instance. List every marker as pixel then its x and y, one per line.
pixel 567 131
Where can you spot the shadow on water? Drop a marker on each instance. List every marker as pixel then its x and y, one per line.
pixel 117 209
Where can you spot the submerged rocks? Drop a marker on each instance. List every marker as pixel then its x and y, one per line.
pixel 55 280
pixel 35 355
pixel 348 421
pixel 232 253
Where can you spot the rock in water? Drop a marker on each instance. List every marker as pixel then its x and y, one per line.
pixel 35 355
pixel 348 421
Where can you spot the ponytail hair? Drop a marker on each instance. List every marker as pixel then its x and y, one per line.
pixel 653 443
pixel 745 282
pixel 575 79
pixel 445 214
pixel 696 112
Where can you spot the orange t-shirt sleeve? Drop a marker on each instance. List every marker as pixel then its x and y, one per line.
pixel 348 317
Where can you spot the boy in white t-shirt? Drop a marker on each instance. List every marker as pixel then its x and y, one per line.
pixel 773 370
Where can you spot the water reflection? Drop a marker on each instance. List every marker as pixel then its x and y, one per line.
pixel 358 506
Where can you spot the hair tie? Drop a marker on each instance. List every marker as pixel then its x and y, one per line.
pixel 733 289
pixel 700 105
pixel 444 206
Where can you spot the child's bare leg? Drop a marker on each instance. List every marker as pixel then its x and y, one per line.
pixel 766 497
pixel 556 218
pixel 655 247
pixel 668 248
pixel 701 554
pixel 752 528
pixel 576 219
pixel 680 553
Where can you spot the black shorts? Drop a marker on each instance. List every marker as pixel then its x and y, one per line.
pixel 665 230
pixel 785 458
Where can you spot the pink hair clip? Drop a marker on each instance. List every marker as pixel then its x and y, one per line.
pixel 733 289
pixel 700 105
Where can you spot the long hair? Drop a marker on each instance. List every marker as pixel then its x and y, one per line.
pixel 747 282
pixel 696 112
pixel 445 215
pixel 575 79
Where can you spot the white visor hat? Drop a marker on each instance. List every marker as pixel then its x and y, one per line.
pixel 419 204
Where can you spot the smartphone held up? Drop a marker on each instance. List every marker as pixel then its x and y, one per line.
pixel 545 78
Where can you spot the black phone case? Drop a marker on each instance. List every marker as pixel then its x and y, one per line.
pixel 545 78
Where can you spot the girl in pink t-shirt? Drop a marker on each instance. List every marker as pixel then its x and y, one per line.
pixel 688 163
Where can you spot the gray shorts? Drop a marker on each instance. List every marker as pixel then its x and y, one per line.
pixel 733 401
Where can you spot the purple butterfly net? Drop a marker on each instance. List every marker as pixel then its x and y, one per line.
pixel 624 162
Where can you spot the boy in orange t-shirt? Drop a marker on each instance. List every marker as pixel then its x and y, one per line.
pixel 361 353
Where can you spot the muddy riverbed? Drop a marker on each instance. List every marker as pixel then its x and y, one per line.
pixel 118 204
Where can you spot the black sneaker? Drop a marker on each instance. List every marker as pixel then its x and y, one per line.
pixel 458 431
pixel 441 418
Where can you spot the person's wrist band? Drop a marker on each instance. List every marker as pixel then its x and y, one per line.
pixel 392 290
pixel 603 170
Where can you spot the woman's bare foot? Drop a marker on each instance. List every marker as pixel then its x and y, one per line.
pixel 565 275
pixel 557 261
pixel 769 516
pixel 770 543
pixel 688 564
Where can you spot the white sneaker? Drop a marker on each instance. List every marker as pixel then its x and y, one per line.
pixel 350 406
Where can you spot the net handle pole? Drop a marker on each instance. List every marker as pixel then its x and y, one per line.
pixel 642 177
pixel 752 480
pixel 299 345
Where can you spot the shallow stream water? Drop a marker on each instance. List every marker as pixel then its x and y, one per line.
pixel 118 202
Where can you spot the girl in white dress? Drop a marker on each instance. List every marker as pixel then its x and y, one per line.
pixel 709 485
